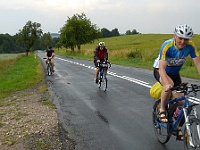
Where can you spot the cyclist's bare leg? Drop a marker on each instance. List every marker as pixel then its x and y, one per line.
pixel 52 62
pixel 165 96
pixel 53 66
pixel 97 72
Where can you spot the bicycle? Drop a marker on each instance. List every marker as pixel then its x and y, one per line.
pixel 103 81
pixel 49 67
pixel 188 114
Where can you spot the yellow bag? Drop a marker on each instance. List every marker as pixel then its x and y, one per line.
pixel 155 90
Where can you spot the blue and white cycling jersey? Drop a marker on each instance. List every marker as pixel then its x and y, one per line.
pixel 175 58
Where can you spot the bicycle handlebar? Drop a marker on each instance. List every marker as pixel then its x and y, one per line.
pixel 104 64
pixel 185 88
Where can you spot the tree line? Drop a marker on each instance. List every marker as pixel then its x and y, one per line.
pixel 77 30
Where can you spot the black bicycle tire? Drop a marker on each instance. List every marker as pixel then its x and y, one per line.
pixel 105 81
pixel 161 138
pixel 195 122
pixel 49 70
pixel 99 82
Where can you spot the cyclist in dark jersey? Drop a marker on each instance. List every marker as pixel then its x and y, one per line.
pixel 50 55
pixel 100 55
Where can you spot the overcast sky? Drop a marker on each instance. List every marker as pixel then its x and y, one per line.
pixel 146 16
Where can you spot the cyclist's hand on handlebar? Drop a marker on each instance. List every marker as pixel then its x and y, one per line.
pixel 98 61
pixel 167 87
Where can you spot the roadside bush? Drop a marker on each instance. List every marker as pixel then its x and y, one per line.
pixel 135 54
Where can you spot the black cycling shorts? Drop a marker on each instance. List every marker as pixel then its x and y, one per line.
pixel 175 78
pixel 95 63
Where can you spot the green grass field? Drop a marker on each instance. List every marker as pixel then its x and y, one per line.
pixel 18 73
pixel 138 50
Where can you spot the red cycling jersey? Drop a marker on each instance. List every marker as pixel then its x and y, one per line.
pixel 101 54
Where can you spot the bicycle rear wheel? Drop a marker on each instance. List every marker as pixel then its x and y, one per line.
pixel 194 128
pixel 161 129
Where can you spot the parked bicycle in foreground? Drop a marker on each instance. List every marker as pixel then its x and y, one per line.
pixel 103 81
pixel 188 114
pixel 49 67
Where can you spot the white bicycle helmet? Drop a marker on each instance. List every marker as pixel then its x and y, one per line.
pixel 101 44
pixel 183 31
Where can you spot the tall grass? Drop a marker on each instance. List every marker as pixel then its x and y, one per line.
pixel 132 50
pixel 19 73
pixel 7 60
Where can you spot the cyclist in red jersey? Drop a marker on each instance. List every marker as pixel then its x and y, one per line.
pixel 100 55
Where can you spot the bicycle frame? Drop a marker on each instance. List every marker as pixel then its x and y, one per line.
pixel 102 72
pixel 173 124
pixel 185 112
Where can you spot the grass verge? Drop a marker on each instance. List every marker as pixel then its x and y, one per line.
pixel 19 73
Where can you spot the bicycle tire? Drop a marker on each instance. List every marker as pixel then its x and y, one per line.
pixel 99 83
pixel 163 135
pixel 49 70
pixel 100 78
pixel 193 127
pixel 104 81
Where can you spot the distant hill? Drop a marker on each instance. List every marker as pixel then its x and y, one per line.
pixel 55 35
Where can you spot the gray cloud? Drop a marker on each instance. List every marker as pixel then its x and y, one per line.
pixel 146 16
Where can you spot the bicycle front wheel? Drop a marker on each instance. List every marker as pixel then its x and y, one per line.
pixel 104 82
pixel 161 129
pixel 194 129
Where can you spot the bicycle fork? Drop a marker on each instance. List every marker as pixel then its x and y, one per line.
pixel 198 126
pixel 102 74
pixel 188 124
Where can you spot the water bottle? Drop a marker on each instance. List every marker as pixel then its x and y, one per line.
pixel 177 111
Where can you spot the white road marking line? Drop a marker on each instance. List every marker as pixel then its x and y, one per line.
pixel 140 82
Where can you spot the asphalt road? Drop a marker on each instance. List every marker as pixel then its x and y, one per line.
pixel 118 119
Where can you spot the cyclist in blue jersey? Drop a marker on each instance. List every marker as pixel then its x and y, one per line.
pixel 172 56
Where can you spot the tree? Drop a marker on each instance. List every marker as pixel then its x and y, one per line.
pixel 46 40
pixel 78 30
pixel 128 32
pixel 8 44
pixel 135 31
pixel 55 41
pixel 115 32
pixel 29 35
pixel 58 45
pixel 105 32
